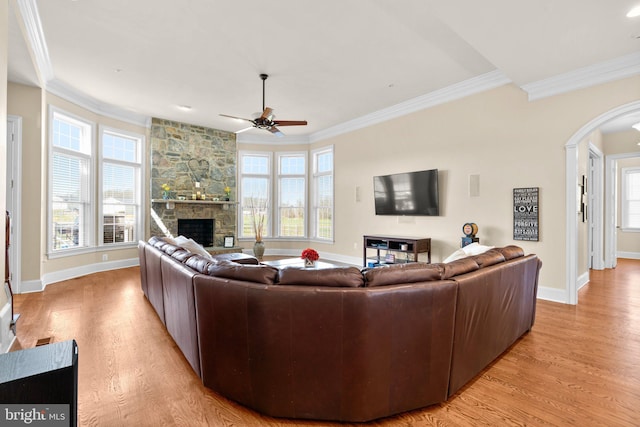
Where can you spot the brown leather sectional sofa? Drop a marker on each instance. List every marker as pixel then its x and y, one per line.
pixel 339 344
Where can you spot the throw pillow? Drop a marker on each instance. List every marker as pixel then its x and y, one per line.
pixel 192 246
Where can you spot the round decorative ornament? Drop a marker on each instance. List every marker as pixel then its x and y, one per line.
pixel 470 229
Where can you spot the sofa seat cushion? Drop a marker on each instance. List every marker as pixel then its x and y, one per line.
pixel 341 277
pixel 402 273
pixel 257 273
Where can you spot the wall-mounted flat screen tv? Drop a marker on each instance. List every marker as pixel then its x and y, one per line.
pixel 411 193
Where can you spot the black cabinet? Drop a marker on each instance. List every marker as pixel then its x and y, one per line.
pixel 394 249
pixel 42 375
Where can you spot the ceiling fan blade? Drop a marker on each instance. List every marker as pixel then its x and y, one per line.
pixel 290 122
pixel 244 130
pixel 274 130
pixel 237 118
pixel 267 113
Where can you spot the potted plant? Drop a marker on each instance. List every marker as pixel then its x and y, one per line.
pixel 310 256
pixel 258 209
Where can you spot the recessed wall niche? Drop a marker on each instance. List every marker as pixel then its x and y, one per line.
pixel 183 155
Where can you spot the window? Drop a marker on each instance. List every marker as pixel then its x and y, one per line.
pixel 292 185
pixel 82 176
pixel 70 173
pixel 120 187
pixel 255 185
pixel 631 198
pixel 322 218
pixel 287 215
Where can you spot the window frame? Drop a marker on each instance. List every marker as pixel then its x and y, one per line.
pixel 88 129
pixel 314 203
pixel 624 201
pixel 278 205
pixel 138 174
pixel 267 233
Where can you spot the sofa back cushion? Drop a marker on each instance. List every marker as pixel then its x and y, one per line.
pixel 257 273
pixel 402 273
pixel 457 267
pixel 342 277
pixel 199 263
pixel 511 252
pixel 491 257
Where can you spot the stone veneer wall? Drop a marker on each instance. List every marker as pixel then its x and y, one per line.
pixel 182 154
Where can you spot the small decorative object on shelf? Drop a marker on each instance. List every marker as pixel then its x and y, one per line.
pixel 310 256
pixel 166 191
pixel 470 230
pixel 227 193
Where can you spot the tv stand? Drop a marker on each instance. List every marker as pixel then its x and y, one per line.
pixel 396 246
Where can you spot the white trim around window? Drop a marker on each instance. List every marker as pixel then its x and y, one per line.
pixel 121 215
pixel 630 199
pixel 76 172
pixel 71 176
pixel 291 193
pixel 322 203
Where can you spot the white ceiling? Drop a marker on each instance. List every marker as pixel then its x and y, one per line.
pixel 330 62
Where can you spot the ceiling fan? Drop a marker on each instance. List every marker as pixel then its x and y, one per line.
pixel 266 120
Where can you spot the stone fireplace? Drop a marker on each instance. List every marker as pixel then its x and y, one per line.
pixel 183 155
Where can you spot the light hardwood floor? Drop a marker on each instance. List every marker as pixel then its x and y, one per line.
pixel 580 365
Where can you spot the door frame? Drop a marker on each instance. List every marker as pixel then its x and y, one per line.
pixel 595 207
pixel 571 195
pixel 14 198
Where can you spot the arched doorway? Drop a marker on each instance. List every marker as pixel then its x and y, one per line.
pixel 571 192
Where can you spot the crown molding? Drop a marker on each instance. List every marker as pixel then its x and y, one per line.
pixel 68 93
pixel 456 91
pixel 603 72
pixel 245 138
pixel 36 40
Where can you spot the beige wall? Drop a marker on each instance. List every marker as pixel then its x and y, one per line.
pixel 500 135
pixel 26 102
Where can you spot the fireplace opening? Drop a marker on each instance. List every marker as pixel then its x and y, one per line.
pixel 200 230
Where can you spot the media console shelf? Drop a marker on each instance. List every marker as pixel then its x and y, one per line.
pixel 396 245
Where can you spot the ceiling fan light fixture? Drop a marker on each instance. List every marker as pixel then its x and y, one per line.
pixel 634 12
pixel 636 126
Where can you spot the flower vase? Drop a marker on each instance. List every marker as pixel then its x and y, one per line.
pixel 309 263
pixel 166 195
pixel 258 250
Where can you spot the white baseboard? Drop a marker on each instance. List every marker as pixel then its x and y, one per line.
pixel 72 273
pixel 583 279
pixel 553 294
pixel 630 255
